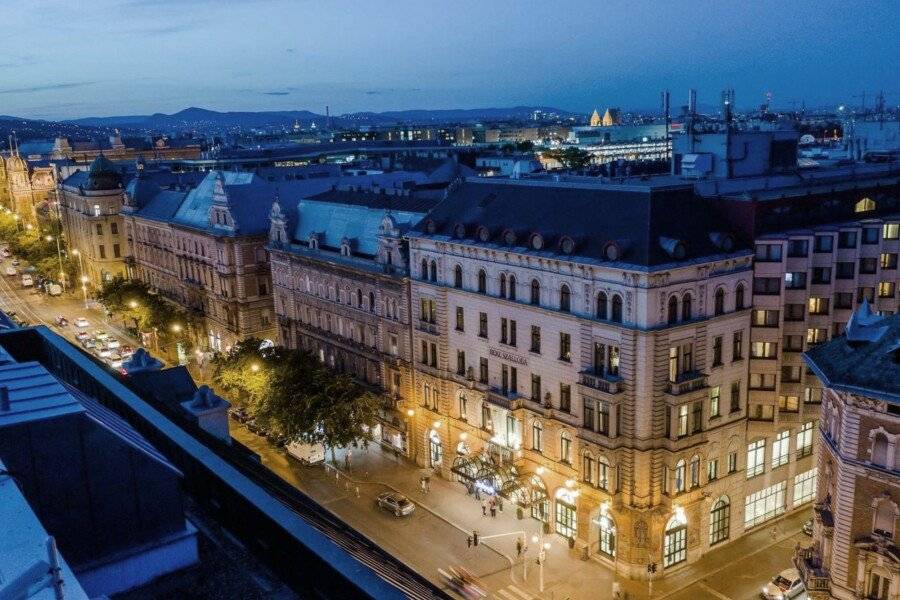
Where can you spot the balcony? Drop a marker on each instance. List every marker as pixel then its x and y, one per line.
pixel 608 384
pixel 506 399
pixel 813 573
pixel 427 327
pixel 687 383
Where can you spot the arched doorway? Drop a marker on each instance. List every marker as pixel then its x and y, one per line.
pixel 540 500
pixel 435 449
pixel 606 527
pixel 566 512
pixel 675 539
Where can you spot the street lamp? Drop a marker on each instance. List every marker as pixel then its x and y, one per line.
pixel 176 328
pixel 542 556
pixel 84 281
pixel 132 304
pixel 62 273
pixel 254 367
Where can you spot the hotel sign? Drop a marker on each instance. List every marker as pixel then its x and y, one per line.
pixel 513 358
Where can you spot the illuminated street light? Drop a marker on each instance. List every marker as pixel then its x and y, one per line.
pixel 133 304
pixel 176 328
pixel 437 424
pixel 254 367
pixel 84 279
pixel 410 412
pixel 49 238
pixel 463 436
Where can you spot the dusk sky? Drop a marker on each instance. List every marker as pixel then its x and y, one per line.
pixel 113 57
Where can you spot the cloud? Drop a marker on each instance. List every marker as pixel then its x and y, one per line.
pixel 276 93
pixel 14 61
pixel 165 29
pixel 45 88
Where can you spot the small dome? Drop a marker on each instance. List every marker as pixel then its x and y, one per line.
pixel 103 175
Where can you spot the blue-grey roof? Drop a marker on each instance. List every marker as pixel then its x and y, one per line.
pixel 34 394
pixel 162 206
pixel 333 222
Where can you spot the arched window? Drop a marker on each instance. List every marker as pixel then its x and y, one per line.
pixel 433 271
pixel 687 312
pixel 482 281
pixel 602 306
pixel 358 298
pixel 457 276
pixel 695 471
pixel 424 271
pixel 673 310
pixel 616 316
pixel 679 476
pixel 537 436
pixel 879 449
pixel 535 292
pixel 738 297
pixel 885 516
pixel 607 535
pixel 565 448
pixel 587 468
pixel 675 541
pixel 512 287
pixel 565 298
pixel 502 285
pixel 719 304
pixel 371 302
pixel 720 521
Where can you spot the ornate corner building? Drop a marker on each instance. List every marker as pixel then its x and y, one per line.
pixel 26 188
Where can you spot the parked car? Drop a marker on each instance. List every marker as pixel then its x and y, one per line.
pixel 89 342
pixel 81 335
pixel 808 526
pixel 114 360
pixel 126 352
pixel 15 262
pixel 102 351
pixel 54 289
pixel 784 586
pixel 4 252
pixel 309 454
pixel 11 271
pixel 27 281
pixel 395 502
pixel 82 322
pixel 61 320
pixel 100 335
pixel 113 342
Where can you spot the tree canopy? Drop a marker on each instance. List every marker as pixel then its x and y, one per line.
pixel 571 158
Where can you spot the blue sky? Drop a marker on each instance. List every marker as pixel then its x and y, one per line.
pixel 62 59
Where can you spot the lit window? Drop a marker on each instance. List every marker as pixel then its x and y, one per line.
pixel 756 458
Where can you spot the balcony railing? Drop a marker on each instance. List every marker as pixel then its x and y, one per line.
pixel 608 384
pixel 686 383
pixel 507 399
pixel 427 327
pixel 809 564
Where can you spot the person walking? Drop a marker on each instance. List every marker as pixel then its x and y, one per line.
pixel 477 492
pixel 427 484
pixel 484 508
pixel 518 547
pixel 500 503
pixel 493 508
pixel 422 484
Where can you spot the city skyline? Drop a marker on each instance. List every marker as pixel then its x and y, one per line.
pixel 157 57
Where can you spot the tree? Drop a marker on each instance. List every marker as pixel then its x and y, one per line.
pixel 525 146
pixel 571 158
pixel 246 371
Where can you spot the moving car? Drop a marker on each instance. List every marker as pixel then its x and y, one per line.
pixel 54 289
pixel 112 342
pixel 81 336
pixel 309 454
pixel 784 586
pixel 81 322
pixel 61 320
pixel 15 262
pixel 27 281
pixel 395 502
pixel 808 527
pixel 100 335
pixel 11 271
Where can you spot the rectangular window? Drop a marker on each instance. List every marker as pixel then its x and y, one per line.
pixel 717 351
pixel 434 355
pixel 843 300
pixel 504 327
pixel 794 312
pixel 765 318
pixel 565 397
pixel 536 339
pixel 732 462
pixel 763 350
pixel 696 417
pixel 682 420
pixel 535 387
pixel 868 266
pixel 735 396
pixel 847 239
pixel 781 448
pixel 788 403
pixel 460 362
pixel 845 270
pixel 804 439
pixel 460 319
pixel 116 251
pixel 714 399
pixel 762 381
pixel 760 412
pixel 870 235
pixel 766 285
pixel 482 325
pixel 890 231
pixel 865 293
pixel 793 343
pixel 102 251
pixel 798 248
pixel 795 280
pixel 816 335
pixel 737 346
pixel 790 373
pixel 818 306
pixel 805 487
pixel 97 211
pixel 588 415
pixel 486 417
pixel 463 407
pixel 603 418
pixel 114 228
pixel 512 332
pixel 821 275
pixel 756 458
pixel 587 469
pixel 886 289
pixel 565 347
pixel 537 436
pixel 483 370
pixel 888 261
pixel 712 469
pixel 765 504
pixel 824 243
pixel 768 253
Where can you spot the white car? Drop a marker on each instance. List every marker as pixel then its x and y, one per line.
pixel 112 343
pixel 784 586
pixel 27 281
pixel 81 322
pixel 11 271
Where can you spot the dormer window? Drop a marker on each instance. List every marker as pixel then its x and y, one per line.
pixel 537 241
pixel 484 234
pixel 567 245
pixel 313 242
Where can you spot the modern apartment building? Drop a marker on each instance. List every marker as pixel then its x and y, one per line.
pixel 854 552
pixel 593 370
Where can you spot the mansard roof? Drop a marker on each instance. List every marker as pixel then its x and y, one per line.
pixel 642 227
pixel 865 361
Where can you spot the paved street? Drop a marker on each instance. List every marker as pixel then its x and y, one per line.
pixel 435 537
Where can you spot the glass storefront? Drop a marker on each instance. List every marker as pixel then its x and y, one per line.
pixel 436 453
pixel 566 519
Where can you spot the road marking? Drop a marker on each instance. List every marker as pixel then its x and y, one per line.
pixel 519 592
pixel 505 594
pixel 715 593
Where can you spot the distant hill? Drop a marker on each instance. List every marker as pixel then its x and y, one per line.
pixel 204 118
pixel 34 129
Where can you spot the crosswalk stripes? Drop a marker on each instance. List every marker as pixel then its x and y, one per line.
pixel 511 592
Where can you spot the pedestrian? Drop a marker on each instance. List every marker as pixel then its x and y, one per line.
pixel 775 533
pixel 477 493
pixel 422 484
pixel 469 540
pixel 427 484
pixel 347 461
pixel 518 547
pixel 500 503
pixel 484 508
pixel 493 509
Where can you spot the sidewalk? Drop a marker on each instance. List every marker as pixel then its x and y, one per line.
pixel 565 573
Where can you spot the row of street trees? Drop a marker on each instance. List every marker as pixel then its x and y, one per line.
pixel 294 396
pixel 147 312
pixel 38 246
